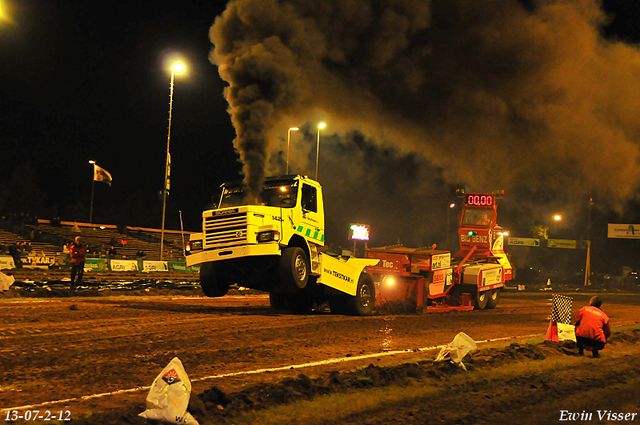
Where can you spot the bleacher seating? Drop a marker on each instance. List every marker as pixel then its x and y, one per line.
pixel 54 235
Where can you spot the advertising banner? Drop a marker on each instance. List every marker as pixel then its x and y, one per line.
pixel 561 243
pixel 441 261
pixel 624 231
pixel 6 262
pixel 95 264
pixel 37 262
pixel 524 241
pixel 155 266
pixel 124 265
pixel 181 266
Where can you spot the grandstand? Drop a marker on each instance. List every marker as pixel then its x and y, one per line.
pixel 51 236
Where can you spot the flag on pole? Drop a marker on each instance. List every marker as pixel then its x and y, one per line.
pixel 101 175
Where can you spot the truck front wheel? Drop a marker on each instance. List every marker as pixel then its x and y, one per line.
pixel 362 304
pixel 213 280
pixel 294 268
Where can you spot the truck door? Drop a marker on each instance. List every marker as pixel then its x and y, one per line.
pixel 312 220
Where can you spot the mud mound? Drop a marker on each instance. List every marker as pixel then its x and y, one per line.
pixel 215 405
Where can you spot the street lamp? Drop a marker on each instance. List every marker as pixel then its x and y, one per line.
pixel 288 143
pixel 93 183
pixel 321 125
pixel 557 218
pixel 178 67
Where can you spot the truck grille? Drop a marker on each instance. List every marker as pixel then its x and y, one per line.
pixel 225 230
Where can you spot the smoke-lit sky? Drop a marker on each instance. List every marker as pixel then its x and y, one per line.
pixel 539 98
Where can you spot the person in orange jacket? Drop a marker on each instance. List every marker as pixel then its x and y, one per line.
pixel 78 252
pixel 592 327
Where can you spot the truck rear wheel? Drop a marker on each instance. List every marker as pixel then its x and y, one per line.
pixel 362 304
pixel 492 299
pixel 482 298
pixel 213 280
pixel 294 268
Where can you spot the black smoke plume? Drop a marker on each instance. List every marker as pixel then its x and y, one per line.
pixel 495 94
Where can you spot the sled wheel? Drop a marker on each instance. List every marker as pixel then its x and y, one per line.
pixel 213 280
pixel 492 299
pixel 294 268
pixel 482 298
pixel 362 304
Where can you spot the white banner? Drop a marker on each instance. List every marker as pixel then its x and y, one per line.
pixel 562 243
pixel 624 231
pixel 124 265
pixel 155 266
pixel 6 262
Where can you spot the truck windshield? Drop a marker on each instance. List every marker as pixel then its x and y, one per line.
pixel 477 216
pixel 274 194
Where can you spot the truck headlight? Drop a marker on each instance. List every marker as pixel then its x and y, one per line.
pixel 271 235
pixel 193 246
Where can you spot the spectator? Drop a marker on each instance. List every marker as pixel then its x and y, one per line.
pixel 78 254
pixel 141 254
pixel 14 251
pixel 21 251
pixel 592 327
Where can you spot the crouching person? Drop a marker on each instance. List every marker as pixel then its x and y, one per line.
pixel 592 327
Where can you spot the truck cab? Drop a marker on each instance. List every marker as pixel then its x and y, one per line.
pixel 246 230
pixel 273 241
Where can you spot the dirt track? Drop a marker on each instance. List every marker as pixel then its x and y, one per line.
pixel 64 349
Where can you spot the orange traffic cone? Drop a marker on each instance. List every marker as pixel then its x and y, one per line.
pixel 552 332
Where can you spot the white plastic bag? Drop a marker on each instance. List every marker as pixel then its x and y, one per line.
pixel 566 332
pixel 168 397
pixel 457 349
pixel 6 281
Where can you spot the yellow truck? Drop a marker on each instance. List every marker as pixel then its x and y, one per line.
pixel 275 242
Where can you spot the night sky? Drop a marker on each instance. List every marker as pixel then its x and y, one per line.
pixel 419 97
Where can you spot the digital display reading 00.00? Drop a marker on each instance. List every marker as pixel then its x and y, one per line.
pixel 480 200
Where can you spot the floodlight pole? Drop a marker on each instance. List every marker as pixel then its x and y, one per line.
pixel 321 125
pixel 166 168
pixel 587 269
pixel 288 143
